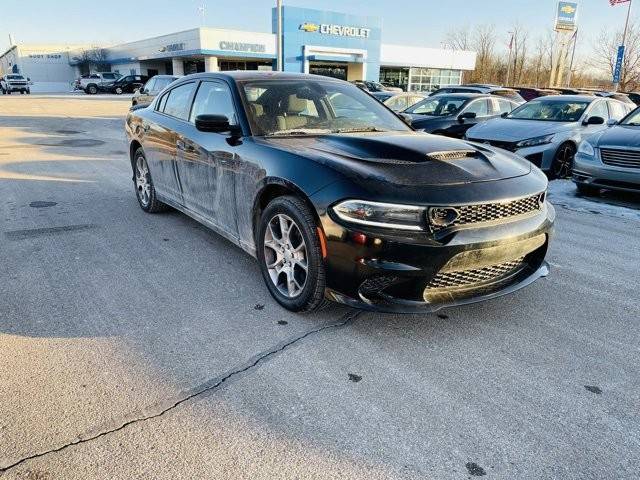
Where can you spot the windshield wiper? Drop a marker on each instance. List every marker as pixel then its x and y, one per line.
pixel 301 131
pixel 357 130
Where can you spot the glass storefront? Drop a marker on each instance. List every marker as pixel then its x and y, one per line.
pixel 226 65
pixel 430 79
pixel 395 77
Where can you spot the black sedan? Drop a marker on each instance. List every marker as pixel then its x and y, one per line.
pixel 127 84
pixel 452 115
pixel 346 202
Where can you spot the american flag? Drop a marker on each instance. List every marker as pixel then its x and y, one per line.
pixel 615 2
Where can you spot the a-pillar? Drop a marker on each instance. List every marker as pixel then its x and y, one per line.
pixel 178 66
pixel 211 64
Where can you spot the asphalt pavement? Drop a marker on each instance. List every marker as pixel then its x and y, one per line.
pixel 146 346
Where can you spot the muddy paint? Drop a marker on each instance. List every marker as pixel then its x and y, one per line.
pixel 354 378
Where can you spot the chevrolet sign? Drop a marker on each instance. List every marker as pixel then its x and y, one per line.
pixel 339 30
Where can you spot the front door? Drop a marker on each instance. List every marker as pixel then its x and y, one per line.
pixel 206 161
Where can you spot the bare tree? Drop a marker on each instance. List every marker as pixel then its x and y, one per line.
pixel 459 39
pixel 605 51
pixel 93 59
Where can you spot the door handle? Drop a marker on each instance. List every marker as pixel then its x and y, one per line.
pixel 181 145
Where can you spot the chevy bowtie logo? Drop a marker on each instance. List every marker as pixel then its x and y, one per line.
pixel 310 27
pixel 568 9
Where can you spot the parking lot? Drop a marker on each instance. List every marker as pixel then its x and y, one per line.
pixel 146 346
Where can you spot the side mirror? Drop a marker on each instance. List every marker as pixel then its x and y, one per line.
pixel 406 118
pixel 594 121
pixel 216 124
pixel 466 115
pixel 611 122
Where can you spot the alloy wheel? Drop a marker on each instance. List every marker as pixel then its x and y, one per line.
pixel 143 181
pixel 563 163
pixel 285 255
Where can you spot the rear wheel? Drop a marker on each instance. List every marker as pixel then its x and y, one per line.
pixel 92 89
pixel 290 255
pixel 562 164
pixel 145 191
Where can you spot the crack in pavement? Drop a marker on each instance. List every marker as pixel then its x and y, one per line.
pixel 210 385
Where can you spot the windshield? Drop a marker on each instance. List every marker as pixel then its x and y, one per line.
pixel 314 107
pixel 15 77
pixel 633 119
pixel 438 106
pixel 552 111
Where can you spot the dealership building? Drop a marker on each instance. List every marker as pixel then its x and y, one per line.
pixel 313 41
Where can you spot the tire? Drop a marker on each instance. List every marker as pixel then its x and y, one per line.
pixel 28 91
pixel 133 103
pixel 91 89
pixel 119 91
pixel 22 92
pixel 587 190
pixel 562 164
pixel 289 253
pixel 145 191
pixel 8 92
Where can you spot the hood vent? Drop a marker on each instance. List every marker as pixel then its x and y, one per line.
pixel 452 154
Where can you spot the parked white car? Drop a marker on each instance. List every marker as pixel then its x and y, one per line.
pixel 95 82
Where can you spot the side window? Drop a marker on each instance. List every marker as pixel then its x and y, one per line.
pixel 617 110
pixel 160 84
pixel 397 103
pixel 502 106
pixel 479 107
pixel 162 102
pixel 213 98
pixel 150 85
pixel 599 110
pixel 178 103
pixel 109 76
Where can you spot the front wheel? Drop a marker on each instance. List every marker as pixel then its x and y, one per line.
pixel 562 164
pixel 119 90
pixel 290 255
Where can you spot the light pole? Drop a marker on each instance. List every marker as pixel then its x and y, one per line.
pixel 279 43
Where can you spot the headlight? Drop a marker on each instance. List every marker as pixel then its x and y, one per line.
pixel 586 148
pixel 532 142
pixel 386 215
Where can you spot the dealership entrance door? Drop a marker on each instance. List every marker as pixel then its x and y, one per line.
pixel 339 71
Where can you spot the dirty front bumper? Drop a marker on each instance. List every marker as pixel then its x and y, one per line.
pixel 409 272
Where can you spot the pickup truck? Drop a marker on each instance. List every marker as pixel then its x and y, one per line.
pixel 96 82
pixel 14 82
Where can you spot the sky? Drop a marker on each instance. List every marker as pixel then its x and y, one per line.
pixel 407 22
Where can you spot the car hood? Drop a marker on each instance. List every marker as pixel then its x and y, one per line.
pixel 403 158
pixel 620 136
pixel 510 130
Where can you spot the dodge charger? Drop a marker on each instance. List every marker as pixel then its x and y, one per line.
pixel 336 196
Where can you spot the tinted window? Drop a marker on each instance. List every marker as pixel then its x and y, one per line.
pixel 178 102
pixel 438 106
pixel 599 110
pixel 109 76
pixel 479 107
pixel 214 99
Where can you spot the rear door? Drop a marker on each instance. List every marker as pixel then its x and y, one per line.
pixel 206 161
pixel 171 114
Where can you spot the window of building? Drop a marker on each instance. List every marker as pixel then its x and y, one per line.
pixel 430 79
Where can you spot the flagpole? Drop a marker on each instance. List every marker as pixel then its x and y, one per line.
pixel 509 61
pixel 624 41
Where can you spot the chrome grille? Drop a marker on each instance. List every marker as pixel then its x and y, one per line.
pixel 465 278
pixel 489 212
pixel 620 158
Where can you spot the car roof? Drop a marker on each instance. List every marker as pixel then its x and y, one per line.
pixel 568 98
pixel 244 75
pixel 464 95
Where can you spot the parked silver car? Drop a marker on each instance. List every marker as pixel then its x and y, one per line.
pixel 547 130
pixel 610 159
